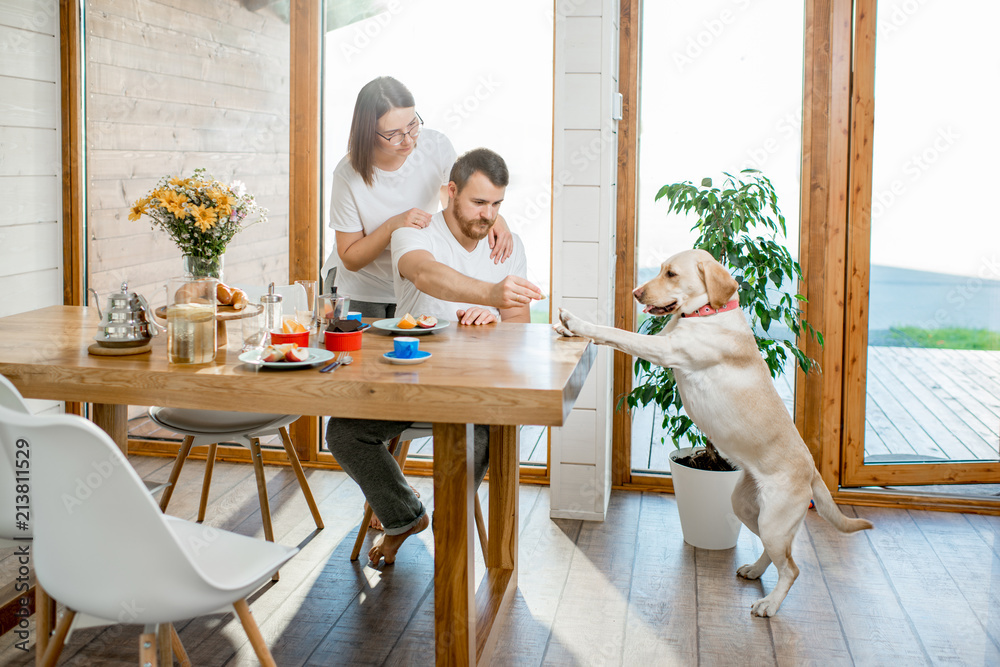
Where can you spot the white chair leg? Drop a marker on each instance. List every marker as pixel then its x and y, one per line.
pixel 175 641
pixel 265 505
pixel 253 633
pixel 293 459
pixel 175 472
pixel 57 640
pixel 147 650
pixel 206 484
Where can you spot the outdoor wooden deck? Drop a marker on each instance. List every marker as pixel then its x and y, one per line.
pixel 923 404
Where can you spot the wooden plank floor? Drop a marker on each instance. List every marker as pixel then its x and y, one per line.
pixel 922 404
pixel 920 589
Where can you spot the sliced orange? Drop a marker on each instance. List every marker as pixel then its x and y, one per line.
pixel 291 325
pixel 406 322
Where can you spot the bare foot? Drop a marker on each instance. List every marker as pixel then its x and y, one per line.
pixel 375 524
pixel 386 546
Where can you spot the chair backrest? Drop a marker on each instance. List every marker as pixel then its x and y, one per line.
pixel 293 297
pixel 101 544
pixel 10 398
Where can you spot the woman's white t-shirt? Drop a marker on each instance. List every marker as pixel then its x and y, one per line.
pixel 355 207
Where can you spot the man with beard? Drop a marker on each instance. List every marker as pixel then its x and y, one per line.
pixel 444 270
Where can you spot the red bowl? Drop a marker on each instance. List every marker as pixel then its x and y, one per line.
pixel 337 341
pixel 301 338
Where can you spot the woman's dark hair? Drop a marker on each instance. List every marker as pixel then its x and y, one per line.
pixel 375 99
pixel 480 159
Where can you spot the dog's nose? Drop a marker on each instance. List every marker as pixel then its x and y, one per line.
pixel 638 292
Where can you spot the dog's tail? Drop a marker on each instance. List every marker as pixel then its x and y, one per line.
pixel 829 510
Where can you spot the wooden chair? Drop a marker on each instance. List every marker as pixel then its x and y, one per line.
pixel 399 447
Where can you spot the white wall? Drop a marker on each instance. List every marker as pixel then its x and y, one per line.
pixel 30 160
pixel 585 143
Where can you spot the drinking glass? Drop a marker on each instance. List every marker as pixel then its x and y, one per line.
pixel 254 331
pixel 307 317
pixel 191 320
pixel 331 307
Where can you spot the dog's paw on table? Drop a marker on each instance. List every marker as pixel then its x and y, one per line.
pixel 561 327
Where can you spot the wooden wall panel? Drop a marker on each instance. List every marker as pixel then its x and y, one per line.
pixel 30 160
pixel 172 86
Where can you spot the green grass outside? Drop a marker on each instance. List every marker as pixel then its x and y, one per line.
pixel 952 338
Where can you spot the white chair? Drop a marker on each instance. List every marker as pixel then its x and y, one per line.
pixel 11 535
pixel 399 447
pixel 210 427
pixel 103 548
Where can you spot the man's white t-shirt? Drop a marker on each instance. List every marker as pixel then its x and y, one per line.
pixel 438 240
pixel 355 207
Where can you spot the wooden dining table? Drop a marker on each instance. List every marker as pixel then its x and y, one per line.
pixel 504 375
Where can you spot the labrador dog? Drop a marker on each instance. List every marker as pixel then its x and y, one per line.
pixel 727 390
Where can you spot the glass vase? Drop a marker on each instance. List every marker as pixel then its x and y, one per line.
pixel 212 267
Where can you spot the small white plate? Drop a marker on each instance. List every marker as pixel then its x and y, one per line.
pixel 420 358
pixel 316 356
pixel 390 325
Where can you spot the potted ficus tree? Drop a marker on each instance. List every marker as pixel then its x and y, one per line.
pixel 741 226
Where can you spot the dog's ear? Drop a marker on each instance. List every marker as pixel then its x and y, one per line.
pixel 718 283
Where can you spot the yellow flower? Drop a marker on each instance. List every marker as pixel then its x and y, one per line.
pixel 172 201
pixel 138 209
pixel 204 217
pixel 178 182
pixel 223 201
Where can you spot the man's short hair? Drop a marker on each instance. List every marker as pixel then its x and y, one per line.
pixel 483 160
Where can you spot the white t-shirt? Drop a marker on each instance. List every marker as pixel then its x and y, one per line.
pixel 355 207
pixel 438 240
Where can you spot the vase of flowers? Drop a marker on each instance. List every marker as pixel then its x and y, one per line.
pixel 201 215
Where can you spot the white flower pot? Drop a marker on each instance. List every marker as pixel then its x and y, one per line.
pixel 704 503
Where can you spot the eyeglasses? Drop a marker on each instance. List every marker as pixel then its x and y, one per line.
pixel 395 138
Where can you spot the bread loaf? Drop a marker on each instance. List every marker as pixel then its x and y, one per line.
pixel 231 296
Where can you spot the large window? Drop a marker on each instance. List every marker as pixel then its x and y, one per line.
pixel 931 413
pixel 721 91
pixel 480 75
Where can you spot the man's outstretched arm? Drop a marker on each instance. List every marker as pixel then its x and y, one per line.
pixel 443 282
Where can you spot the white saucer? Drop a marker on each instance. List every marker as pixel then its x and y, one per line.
pixel 419 358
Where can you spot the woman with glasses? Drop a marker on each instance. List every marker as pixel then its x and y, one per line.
pixel 387 180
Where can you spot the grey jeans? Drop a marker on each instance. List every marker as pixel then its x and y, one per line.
pixel 360 447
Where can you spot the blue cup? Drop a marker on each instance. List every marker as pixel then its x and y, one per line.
pixel 354 315
pixel 405 347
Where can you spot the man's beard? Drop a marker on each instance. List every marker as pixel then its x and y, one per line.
pixel 474 228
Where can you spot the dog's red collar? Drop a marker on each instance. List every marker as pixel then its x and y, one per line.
pixel 708 310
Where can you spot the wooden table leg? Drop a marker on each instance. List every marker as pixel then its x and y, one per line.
pixel 114 420
pixel 454 564
pixel 466 623
pixel 496 592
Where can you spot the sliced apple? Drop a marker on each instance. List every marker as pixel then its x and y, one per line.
pixel 297 354
pixel 272 353
pixel 427 321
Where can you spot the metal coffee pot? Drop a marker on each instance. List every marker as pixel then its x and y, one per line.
pixel 127 320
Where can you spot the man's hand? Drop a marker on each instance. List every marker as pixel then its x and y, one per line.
pixel 413 218
pixel 513 291
pixel 500 240
pixel 475 315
